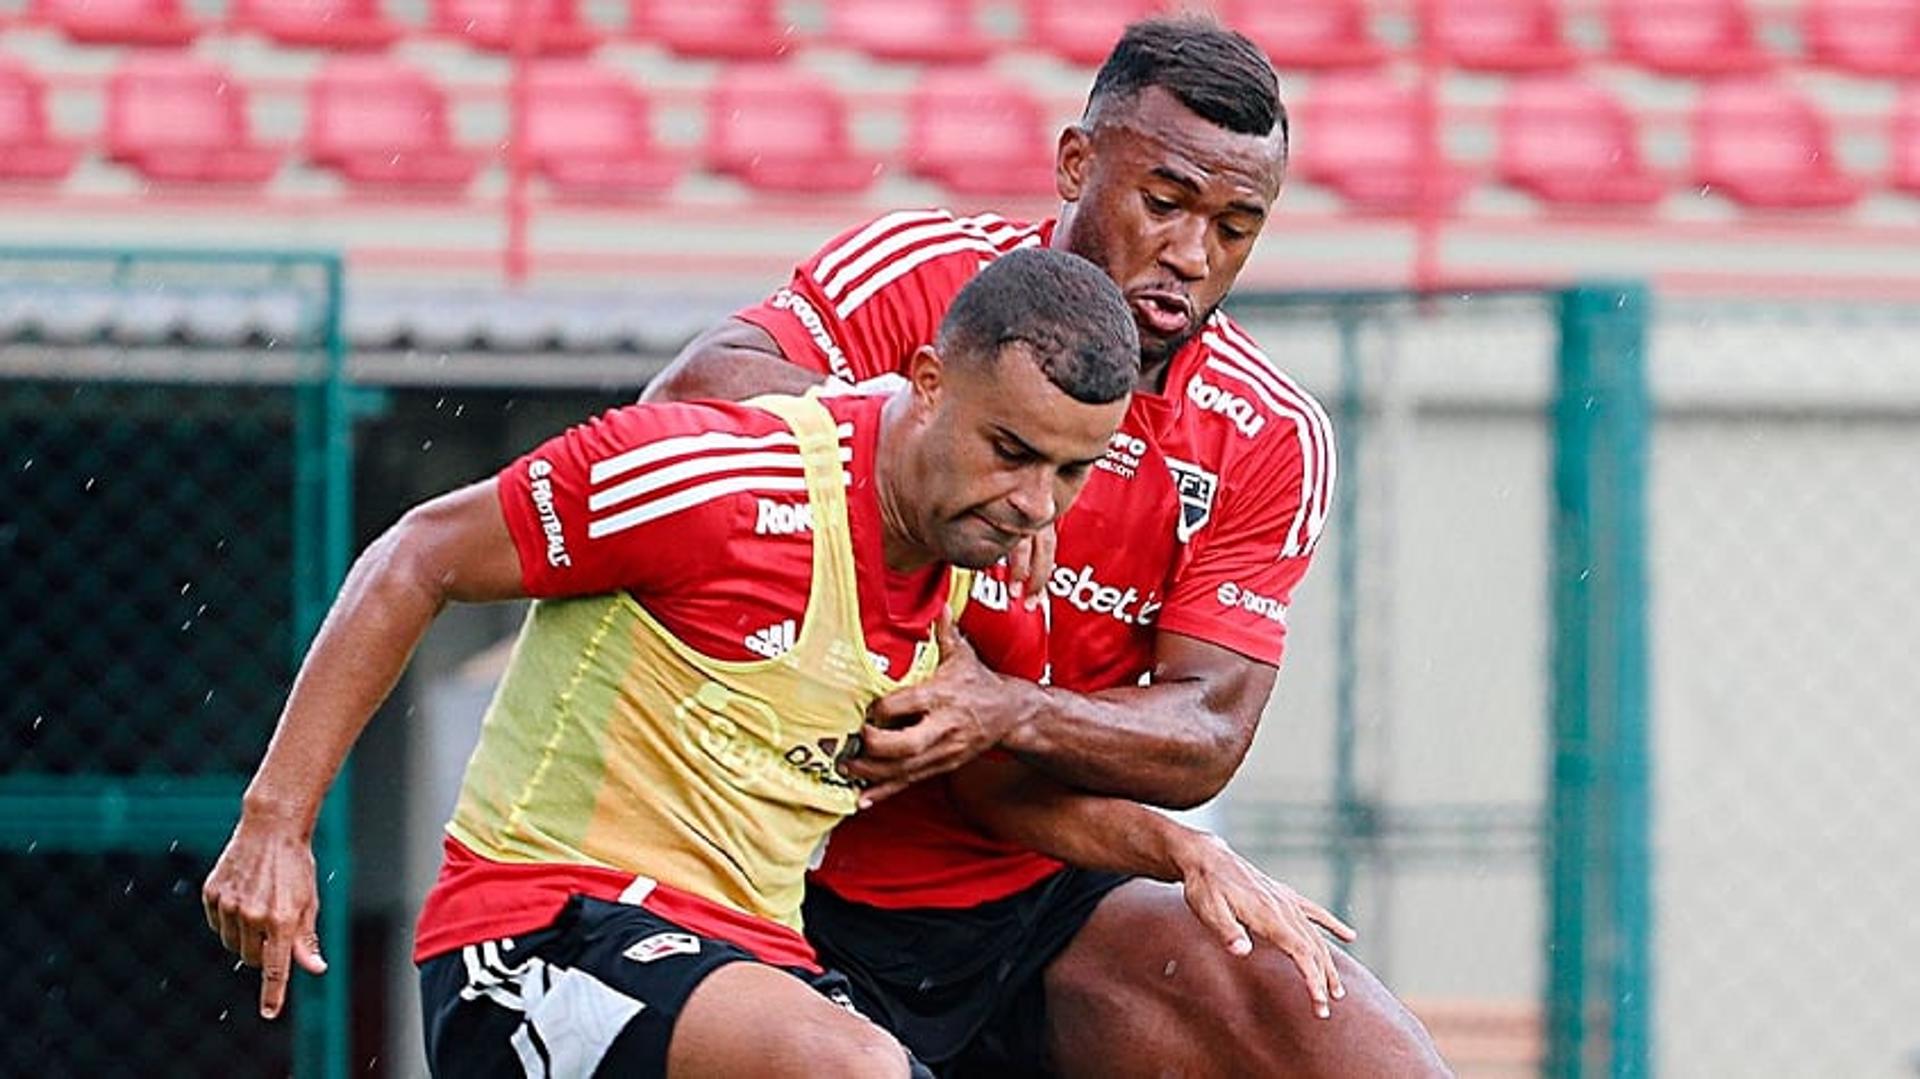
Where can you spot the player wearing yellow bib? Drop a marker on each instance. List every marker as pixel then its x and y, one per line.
pixel 721 591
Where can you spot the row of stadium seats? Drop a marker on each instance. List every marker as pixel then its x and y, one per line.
pixel 588 131
pixel 1879 38
pixel 588 134
pixel 1570 142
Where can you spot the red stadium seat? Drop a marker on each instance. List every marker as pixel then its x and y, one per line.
pixel 380 123
pixel 1510 36
pixel 1866 37
pixel 713 29
pixel 1905 139
pixel 590 135
pixel 553 27
pixel 1360 134
pixel 118 22
pixel 28 149
pixel 1765 146
pixel 781 130
pixel 1568 142
pixel 1686 37
pixel 913 31
pixel 175 118
pixel 976 134
pixel 318 24
pixel 1082 31
pixel 1314 35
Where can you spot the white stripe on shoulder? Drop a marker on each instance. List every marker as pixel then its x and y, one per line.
pixel 1000 232
pixel 786 460
pixel 683 445
pixel 907 263
pixel 1314 425
pixel 1312 432
pixel 880 227
pixel 1278 378
pixel 1239 336
pixel 690 497
pixel 892 246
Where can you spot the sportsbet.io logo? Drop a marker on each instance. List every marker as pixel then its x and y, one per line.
pixel 706 727
pixel 739 734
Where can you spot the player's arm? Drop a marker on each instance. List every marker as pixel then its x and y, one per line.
pixel 732 361
pixel 1230 895
pixel 260 896
pixel 1173 743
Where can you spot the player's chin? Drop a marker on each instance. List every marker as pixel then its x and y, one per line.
pixel 977 545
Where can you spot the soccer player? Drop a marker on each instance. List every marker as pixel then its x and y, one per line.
pixel 723 590
pixel 1170 596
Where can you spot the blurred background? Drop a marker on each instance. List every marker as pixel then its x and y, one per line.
pixel 1598 713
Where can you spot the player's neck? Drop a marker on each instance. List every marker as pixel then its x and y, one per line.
pixel 893 475
pixel 1153 376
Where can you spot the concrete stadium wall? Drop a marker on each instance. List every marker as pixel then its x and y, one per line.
pixel 1784 505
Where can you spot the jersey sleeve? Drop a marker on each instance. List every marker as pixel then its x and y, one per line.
pixel 866 302
pixel 594 510
pixel 1007 637
pixel 1236 585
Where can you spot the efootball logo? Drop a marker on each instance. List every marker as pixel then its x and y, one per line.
pixel 1197 487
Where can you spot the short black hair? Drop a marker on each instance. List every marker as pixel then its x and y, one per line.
pixel 1064 310
pixel 1216 72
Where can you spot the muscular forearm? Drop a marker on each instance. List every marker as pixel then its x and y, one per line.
pixel 732 362
pixel 1016 804
pixel 383 610
pixel 1166 744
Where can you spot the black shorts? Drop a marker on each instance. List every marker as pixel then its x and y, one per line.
pixel 962 988
pixel 594 993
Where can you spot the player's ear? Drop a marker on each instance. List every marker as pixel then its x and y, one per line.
pixel 926 373
pixel 1070 161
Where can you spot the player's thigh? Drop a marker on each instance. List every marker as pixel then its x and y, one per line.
pixel 751 1019
pixel 1146 989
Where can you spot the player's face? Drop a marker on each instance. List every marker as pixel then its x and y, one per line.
pixel 1169 205
pixel 1006 452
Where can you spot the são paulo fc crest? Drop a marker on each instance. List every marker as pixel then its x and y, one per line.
pixel 1196 486
pixel 661 945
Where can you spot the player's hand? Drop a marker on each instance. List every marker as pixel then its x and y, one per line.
pixel 262 901
pixel 939 724
pixel 1029 565
pixel 1240 903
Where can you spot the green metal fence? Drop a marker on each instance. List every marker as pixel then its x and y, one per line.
pixel 173 524
pixel 1457 754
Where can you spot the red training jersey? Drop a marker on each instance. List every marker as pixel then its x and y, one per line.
pixel 1221 484
pixel 700 512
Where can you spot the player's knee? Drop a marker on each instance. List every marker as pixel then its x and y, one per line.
pixel 858 1050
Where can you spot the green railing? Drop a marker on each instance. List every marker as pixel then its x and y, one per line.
pixel 175 522
pixel 1540 397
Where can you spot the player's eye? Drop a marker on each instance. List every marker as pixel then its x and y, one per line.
pixel 1159 207
pixel 1234 232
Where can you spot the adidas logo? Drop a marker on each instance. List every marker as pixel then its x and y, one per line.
pixel 773 641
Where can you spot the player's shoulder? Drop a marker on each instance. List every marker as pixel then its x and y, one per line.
pixel 889 247
pixel 645 437
pixel 1232 380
